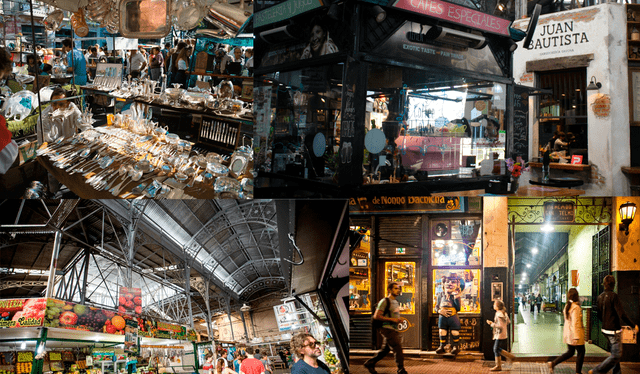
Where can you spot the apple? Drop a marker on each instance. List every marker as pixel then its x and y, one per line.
pixel 68 318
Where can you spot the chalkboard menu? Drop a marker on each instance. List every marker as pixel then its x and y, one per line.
pixel 469 333
pixel 520 122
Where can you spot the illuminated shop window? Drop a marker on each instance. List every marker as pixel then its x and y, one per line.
pixel 405 274
pixel 359 274
pixel 456 242
pixel 465 282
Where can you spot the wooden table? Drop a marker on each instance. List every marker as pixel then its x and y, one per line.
pixel 76 184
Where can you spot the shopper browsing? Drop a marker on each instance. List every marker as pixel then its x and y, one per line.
pixel 499 326
pixel 251 365
pixel 77 65
pixel 221 367
pixel 572 332
pixel 611 313
pixel 388 311
pixel 208 365
pixel 136 64
pixel 306 347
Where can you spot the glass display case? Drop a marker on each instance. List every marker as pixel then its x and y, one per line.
pixel 359 274
pixel 467 285
pixel 405 274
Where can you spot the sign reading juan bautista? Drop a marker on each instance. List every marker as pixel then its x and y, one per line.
pixel 559 34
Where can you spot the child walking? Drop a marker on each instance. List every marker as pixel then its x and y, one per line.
pixel 499 325
pixel 572 333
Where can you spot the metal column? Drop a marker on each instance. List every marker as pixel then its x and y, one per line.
pixel 54 263
pixel 187 289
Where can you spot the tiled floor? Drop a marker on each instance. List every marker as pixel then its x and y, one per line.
pixel 471 366
pixel 540 334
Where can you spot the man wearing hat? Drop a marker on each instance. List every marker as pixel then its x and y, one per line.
pixel 448 307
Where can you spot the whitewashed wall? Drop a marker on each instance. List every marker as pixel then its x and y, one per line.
pixel 600 30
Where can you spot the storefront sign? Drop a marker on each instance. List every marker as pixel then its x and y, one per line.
pixel 283 11
pixel 456 14
pixel 285 316
pixel 22 312
pixel 559 212
pixel 131 336
pixel 470 329
pixel 401 47
pixel 566 33
pixel 406 204
pixel 602 106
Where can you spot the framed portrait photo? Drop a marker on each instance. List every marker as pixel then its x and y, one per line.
pixel 441 230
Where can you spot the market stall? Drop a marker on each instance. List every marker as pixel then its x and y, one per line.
pixel 212 117
pixel 382 98
pixel 79 339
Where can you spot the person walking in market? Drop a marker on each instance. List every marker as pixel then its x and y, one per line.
pixel 306 347
pixel 499 326
pixel 251 365
pixel 538 302
pixel 388 312
pixel 611 313
pixel 572 332
pixel 77 65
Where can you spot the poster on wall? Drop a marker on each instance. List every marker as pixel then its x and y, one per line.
pixel 317 35
pixel 131 336
pixel 22 312
pixel 285 316
pixel 130 301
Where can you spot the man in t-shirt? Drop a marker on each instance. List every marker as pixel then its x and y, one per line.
pixel 76 64
pixel 251 365
pixel 257 354
pixel 389 329
pixel 136 63
pixel 307 349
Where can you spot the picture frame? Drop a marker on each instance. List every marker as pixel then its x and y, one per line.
pixel 497 291
pixel 441 229
pixel 247 90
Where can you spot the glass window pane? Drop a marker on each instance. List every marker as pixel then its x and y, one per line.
pixel 405 274
pixel 463 282
pixel 456 242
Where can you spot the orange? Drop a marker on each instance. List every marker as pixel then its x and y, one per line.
pixel 118 322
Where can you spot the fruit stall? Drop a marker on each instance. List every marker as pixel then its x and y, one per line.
pixel 64 337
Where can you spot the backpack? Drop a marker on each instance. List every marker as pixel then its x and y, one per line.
pixel 376 323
